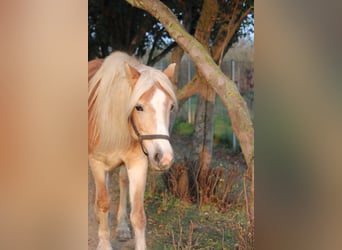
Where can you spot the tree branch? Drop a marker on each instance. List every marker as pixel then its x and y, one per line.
pixel 189 89
pixel 162 54
pixel 150 55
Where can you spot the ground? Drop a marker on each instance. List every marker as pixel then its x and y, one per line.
pixel 92 223
pixel 171 223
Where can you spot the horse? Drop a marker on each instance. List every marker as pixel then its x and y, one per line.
pixel 129 109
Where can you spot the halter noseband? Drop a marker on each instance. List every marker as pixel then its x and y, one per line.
pixel 146 137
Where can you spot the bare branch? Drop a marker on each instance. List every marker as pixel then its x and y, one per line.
pixel 189 89
pixel 154 60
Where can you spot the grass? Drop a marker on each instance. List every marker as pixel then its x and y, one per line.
pixel 183 128
pixel 174 224
pixel 223 132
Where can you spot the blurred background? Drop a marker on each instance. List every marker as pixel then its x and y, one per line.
pixel 43 178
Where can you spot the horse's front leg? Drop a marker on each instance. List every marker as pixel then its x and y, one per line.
pixel 137 170
pixel 122 230
pixel 101 203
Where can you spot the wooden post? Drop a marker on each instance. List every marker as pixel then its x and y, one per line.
pixel 189 101
pixel 233 79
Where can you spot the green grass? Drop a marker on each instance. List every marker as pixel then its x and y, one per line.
pixel 183 128
pixel 223 132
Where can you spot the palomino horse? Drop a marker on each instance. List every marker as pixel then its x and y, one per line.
pixel 129 107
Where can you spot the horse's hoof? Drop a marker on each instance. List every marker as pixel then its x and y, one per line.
pixel 123 234
pixel 104 245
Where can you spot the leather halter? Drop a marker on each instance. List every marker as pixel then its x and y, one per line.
pixel 146 137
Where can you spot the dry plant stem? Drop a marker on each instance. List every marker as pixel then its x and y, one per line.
pixel 228 185
pixel 173 241
pixel 197 185
pixel 217 178
pixel 180 233
pixel 190 235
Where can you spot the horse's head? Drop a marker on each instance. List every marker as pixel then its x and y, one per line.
pixel 150 118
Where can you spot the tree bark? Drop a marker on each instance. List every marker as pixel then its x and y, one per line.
pixel 176 57
pixel 203 137
pixel 207 68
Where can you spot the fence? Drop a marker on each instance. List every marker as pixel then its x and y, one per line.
pixel 242 73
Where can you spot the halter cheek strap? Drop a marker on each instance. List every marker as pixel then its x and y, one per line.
pixel 146 137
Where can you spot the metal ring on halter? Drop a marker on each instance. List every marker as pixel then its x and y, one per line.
pixel 146 137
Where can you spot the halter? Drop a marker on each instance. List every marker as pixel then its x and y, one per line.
pixel 146 137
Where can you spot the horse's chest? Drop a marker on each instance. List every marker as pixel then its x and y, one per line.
pixel 110 160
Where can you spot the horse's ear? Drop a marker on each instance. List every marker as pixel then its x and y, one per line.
pixel 170 71
pixel 131 73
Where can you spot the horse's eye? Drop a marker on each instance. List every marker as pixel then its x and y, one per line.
pixel 172 107
pixel 139 108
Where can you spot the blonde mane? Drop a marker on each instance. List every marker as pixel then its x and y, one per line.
pixel 111 100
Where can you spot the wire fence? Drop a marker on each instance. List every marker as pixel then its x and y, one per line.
pixel 242 73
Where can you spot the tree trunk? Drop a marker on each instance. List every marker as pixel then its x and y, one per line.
pixel 204 129
pixel 204 119
pixel 203 143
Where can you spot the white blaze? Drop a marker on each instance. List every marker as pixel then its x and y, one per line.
pixel 158 102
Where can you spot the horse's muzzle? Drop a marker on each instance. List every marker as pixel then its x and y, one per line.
pixel 162 160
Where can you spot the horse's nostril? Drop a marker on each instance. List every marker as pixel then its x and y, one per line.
pixel 157 157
